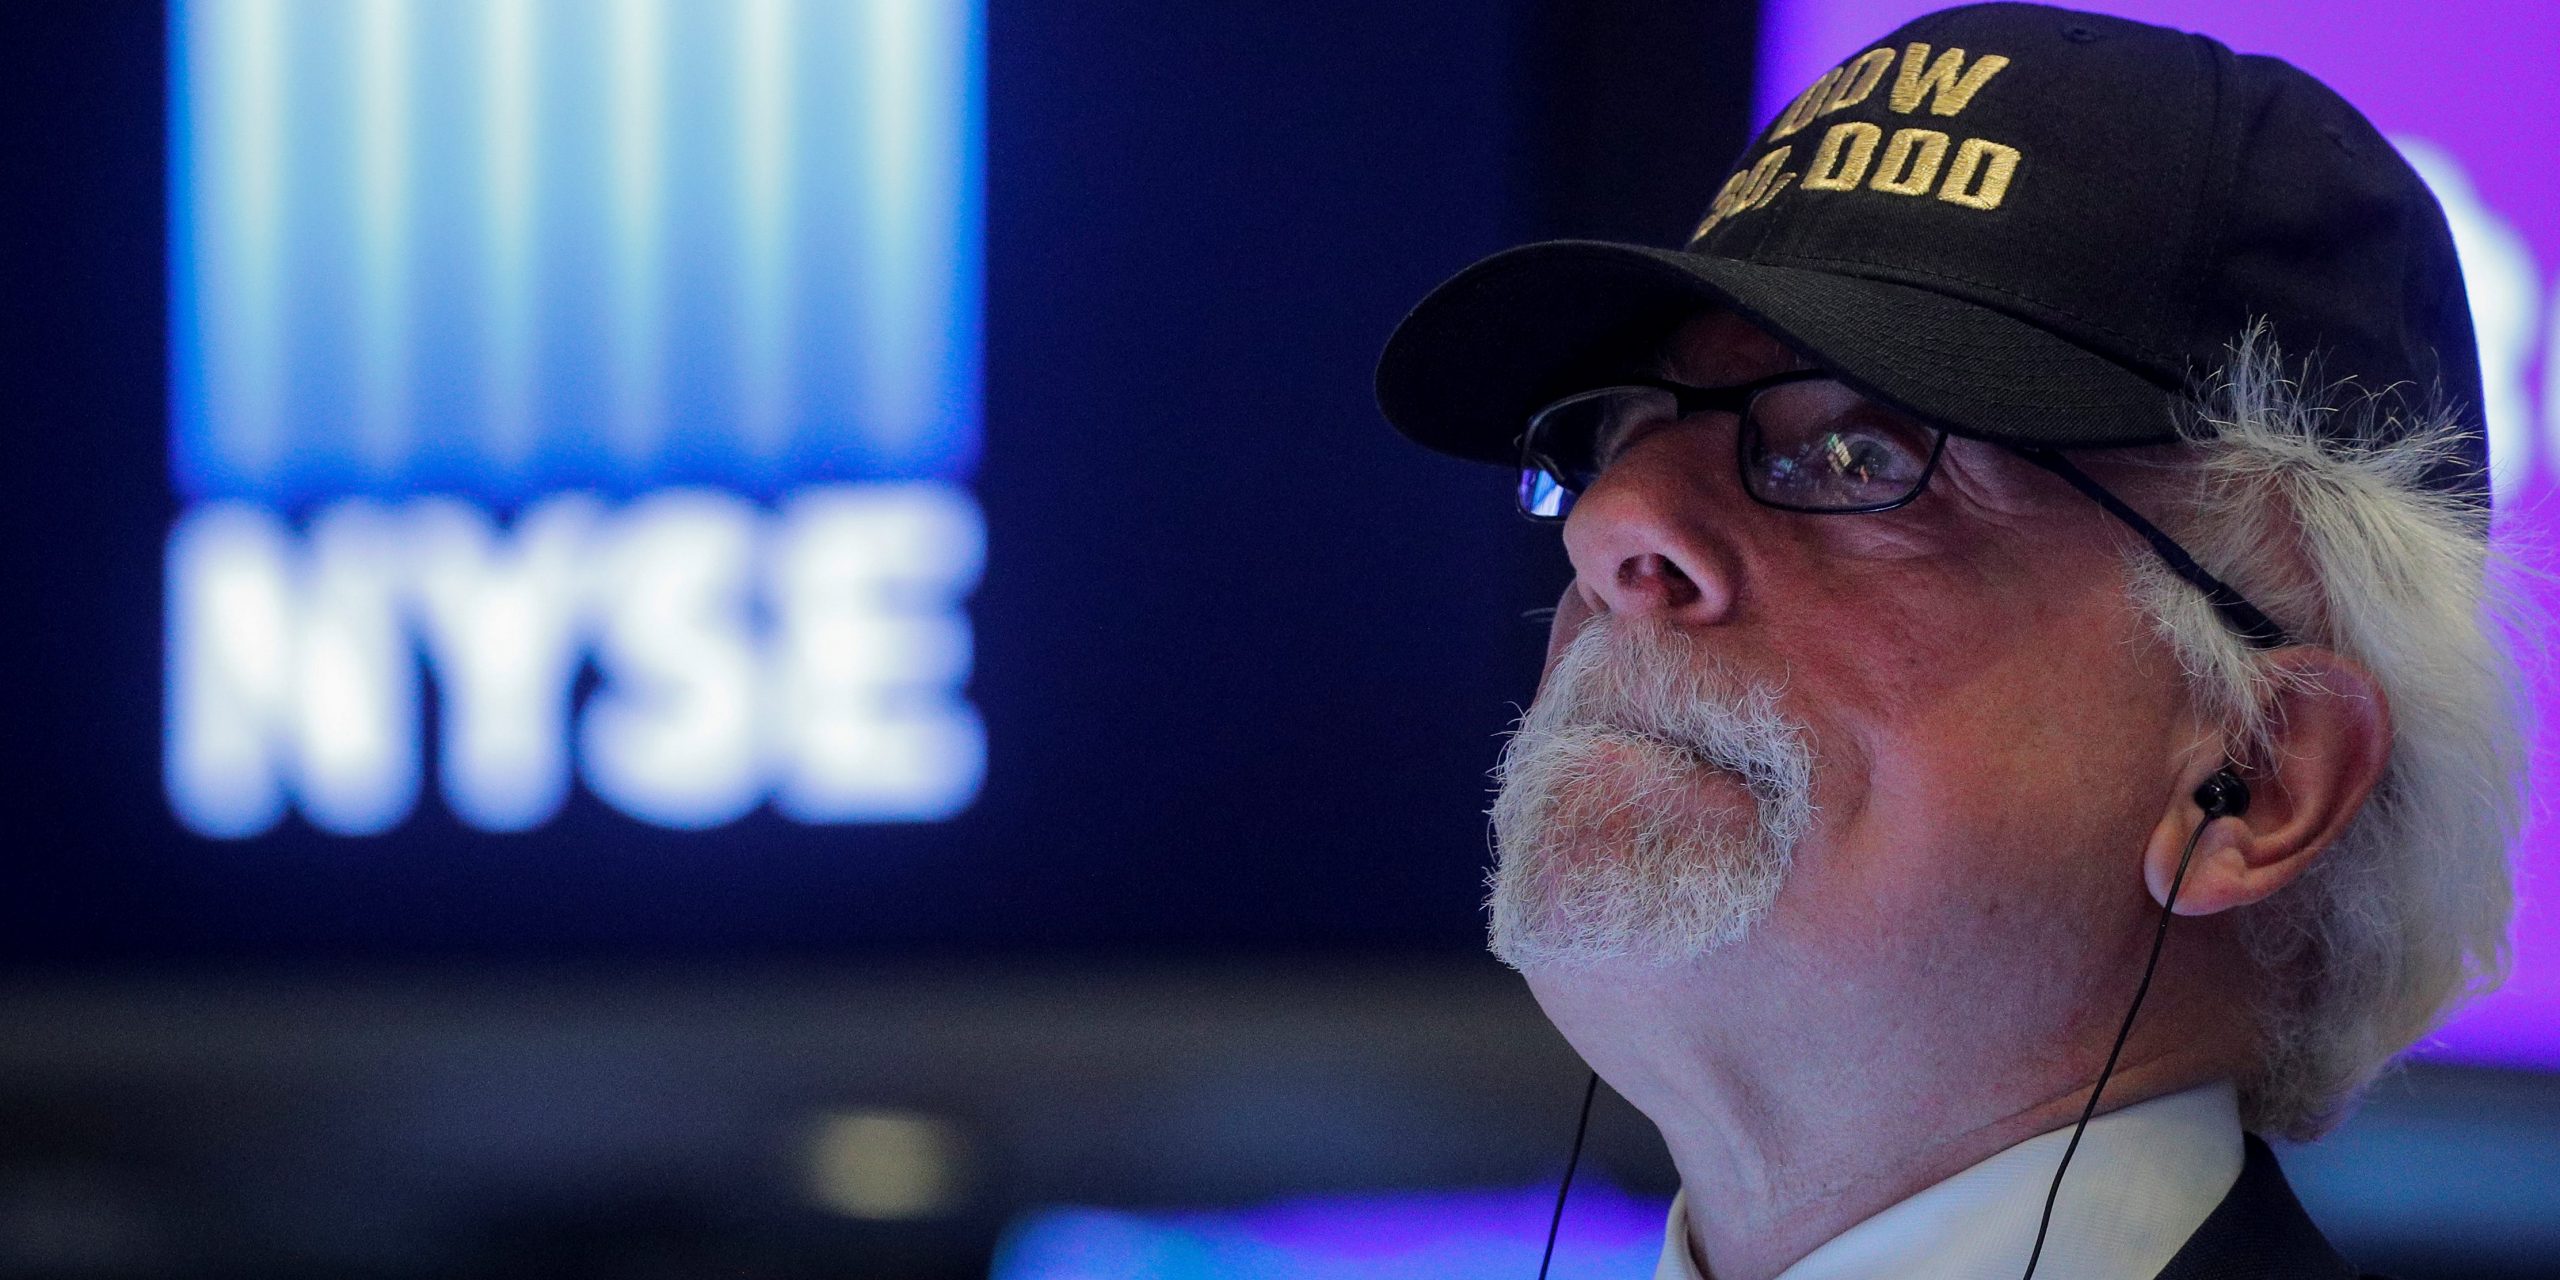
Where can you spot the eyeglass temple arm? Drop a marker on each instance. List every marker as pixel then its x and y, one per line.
pixel 2236 612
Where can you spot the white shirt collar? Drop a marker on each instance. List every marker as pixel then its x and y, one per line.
pixel 2143 1180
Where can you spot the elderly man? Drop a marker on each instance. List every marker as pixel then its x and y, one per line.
pixel 2039 515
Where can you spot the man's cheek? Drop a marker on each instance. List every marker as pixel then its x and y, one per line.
pixel 1571 613
pixel 1843 786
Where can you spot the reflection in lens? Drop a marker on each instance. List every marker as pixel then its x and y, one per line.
pixel 1820 446
pixel 1542 496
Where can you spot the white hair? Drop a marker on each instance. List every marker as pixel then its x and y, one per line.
pixel 2311 500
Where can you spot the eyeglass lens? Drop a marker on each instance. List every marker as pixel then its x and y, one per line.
pixel 1813 445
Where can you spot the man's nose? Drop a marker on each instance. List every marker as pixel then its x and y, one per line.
pixel 1650 538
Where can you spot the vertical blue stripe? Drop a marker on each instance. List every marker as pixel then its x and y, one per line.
pixel 708 432
pixel 963 357
pixel 325 287
pixel 634 212
pixel 228 175
pixel 764 348
pixel 572 265
pixel 508 154
pixel 446 269
pixel 902 45
pixel 382 164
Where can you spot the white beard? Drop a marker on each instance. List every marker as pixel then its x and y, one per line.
pixel 1610 843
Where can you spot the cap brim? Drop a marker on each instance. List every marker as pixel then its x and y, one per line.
pixel 1525 327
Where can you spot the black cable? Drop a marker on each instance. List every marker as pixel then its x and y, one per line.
pixel 2241 616
pixel 1581 1127
pixel 2158 939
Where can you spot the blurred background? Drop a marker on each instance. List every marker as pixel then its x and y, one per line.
pixel 661 638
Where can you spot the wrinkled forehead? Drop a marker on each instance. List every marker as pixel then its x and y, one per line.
pixel 1719 347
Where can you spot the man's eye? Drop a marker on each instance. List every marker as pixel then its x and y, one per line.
pixel 1617 435
pixel 1845 457
pixel 1838 461
pixel 1863 459
pixel 1624 420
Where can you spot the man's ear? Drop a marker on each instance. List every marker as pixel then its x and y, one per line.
pixel 2329 741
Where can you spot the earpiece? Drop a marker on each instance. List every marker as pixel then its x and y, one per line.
pixel 2223 795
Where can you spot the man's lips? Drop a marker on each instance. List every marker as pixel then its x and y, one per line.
pixel 1635 750
pixel 1650 739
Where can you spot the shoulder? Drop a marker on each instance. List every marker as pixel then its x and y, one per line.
pixel 2260 1232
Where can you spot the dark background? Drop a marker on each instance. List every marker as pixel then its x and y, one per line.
pixel 1211 934
pixel 1242 653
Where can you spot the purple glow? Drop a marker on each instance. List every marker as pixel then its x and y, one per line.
pixel 1417 1236
pixel 2465 87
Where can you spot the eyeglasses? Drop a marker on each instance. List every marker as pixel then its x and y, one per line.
pixel 1810 443
pixel 1807 442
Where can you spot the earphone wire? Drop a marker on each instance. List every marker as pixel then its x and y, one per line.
pixel 2159 938
pixel 1580 1128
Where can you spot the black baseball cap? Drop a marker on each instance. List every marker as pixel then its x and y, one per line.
pixel 2022 223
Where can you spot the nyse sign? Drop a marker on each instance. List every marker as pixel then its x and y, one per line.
pixel 813 654
pixel 572 393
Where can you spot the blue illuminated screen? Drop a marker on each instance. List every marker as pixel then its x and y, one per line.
pixel 573 393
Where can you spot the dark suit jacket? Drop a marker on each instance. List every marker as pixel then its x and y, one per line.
pixel 2259 1232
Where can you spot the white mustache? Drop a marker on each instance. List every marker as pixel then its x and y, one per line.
pixel 1603 849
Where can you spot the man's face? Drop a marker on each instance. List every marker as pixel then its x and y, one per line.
pixel 1869 737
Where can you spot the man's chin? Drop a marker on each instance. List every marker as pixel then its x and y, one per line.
pixel 1591 904
pixel 1624 850
pixel 1568 952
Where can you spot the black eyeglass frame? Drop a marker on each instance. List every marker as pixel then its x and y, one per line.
pixel 2246 620
pixel 1736 400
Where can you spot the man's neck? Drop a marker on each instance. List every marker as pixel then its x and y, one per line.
pixel 1788 1129
pixel 1755 1226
